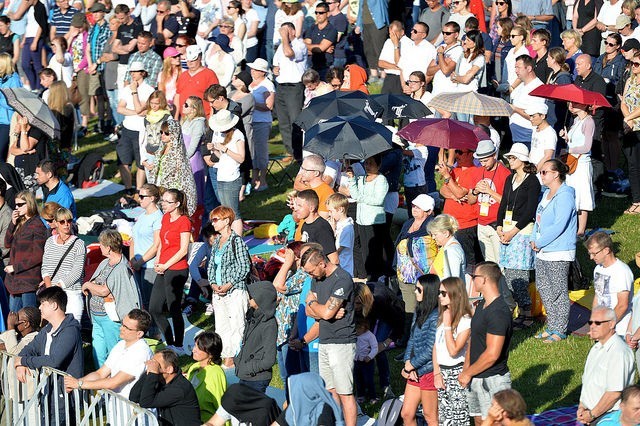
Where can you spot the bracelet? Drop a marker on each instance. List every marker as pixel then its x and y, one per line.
pixel 134 93
pixel 447 328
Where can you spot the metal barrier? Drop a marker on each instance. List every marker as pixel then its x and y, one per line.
pixel 36 402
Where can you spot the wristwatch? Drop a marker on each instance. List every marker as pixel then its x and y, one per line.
pixel 447 180
pixel 80 382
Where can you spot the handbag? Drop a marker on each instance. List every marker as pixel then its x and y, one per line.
pixel 74 92
pixel 55 271
pixel 571 161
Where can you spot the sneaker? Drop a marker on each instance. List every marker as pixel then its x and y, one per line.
pixel 209 310
pixel 188 310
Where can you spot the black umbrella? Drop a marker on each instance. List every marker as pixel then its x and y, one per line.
pixel 337 103
pixel 401 106
pixel 353 137
pixel 31 106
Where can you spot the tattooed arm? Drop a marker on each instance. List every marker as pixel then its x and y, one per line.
pixel 326 311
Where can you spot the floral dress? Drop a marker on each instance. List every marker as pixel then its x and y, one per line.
pixel 632 99
pixel 289 304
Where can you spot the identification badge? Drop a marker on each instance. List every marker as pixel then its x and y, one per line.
pixel 484 208
pixel 507 223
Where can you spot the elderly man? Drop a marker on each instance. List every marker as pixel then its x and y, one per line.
pixel 629 413
pixel 310 177
pixel 519 122
pixel 195 81
pixel 608 370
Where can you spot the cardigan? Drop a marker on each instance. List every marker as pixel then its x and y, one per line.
pixel 420 345
pixel 25 255
pixel 522 202
pixel 122 286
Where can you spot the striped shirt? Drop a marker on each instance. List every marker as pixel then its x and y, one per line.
pixel 61 21
pixel 71 271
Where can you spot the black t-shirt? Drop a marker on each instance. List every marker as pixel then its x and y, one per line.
pixel 340 23
pixel 321 60
pixel 339 285
pixel 496 320
pixel 319 231
pixel 126 33
pixel 171 24
pixel 541 68
pixel 188 26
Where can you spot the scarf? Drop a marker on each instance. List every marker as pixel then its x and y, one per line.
pixel 155 116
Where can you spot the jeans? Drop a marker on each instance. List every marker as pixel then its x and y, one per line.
pixel 32 62
pixel 259 385
pixel 309 362
pixel 145 277
pixel 228 193
pixel 289 364
pixel 19 301
pixel 211 200
pixel 105 335
pixel 113 103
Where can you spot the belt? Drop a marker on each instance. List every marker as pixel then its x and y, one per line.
pixel 289 84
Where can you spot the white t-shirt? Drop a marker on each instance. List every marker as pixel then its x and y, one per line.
pixel 510 60
pixel 345 235
pixel 388 54
pixel 460 20
pixel 64 70
pixel 134 122
pixel 415 57
pixel 464 66
pixel 521 98
pixel 130 361
pixel 228 168
pixel 608 282
pixel 250 16
pixel 442 353
pixel 541 141
pixel 442 83
pixel 608 14
pixel 291 69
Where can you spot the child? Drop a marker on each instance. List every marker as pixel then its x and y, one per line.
pixel 258 353
pixel 197 265
pixel 337 205
pixel 366 351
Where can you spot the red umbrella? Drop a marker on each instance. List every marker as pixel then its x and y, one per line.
pixel 443 133
pixel 571 93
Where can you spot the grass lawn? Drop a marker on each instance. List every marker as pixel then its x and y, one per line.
pixel 548 375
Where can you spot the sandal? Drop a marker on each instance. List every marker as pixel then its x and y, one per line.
pixel 554 336
pixel 544 334
pixel 523 322
pixel 633 209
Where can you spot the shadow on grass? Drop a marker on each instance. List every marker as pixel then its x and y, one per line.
pixel 530 386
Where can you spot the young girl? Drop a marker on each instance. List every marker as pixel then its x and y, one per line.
pixel 366 351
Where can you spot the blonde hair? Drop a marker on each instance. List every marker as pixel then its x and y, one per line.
pixel 63 214
pixel 574 35
pixel 167 73
pixel 523 32
pixel 58 96
pixel 441 223
pixel 338 201
pixel 6 65
pixel 197 108
pixel 159 95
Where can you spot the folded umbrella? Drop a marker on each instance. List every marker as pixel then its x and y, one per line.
pixel 443 133
pixel 571 93
pixel 337 103
pixel 31 106
pixel 472 103
pixel 400 106
pixel 352 137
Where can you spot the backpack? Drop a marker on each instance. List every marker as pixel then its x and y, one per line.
pixel 577 280
pixel 390 413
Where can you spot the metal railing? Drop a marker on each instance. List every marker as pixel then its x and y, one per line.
pixel 37 401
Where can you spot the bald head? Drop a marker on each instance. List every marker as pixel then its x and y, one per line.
pixel 583 65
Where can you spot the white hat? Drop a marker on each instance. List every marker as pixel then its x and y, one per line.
pixel 485 149
pixel 259 65
pixel 136 66
pixel 223 120
pixel 520 151
pixel 424 202
pixel 192 53
pixel 537 108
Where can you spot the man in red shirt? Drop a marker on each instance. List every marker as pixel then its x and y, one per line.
pixel 194 81
pixel 489 190
pixel 460 202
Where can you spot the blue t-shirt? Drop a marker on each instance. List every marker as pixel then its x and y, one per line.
pixel 62 195
pixel 143 231
pixel 305 322
pixel 611 419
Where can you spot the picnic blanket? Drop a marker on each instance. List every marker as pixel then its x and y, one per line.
pixel 565 416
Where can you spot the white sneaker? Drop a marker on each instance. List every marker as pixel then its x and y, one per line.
pixel 209 310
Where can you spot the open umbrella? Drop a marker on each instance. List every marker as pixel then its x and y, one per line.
pixel 443 133
pixel 472 103
pixel 337 103
pixel 353 137
pixel 31 106
pixel 400 106
pixel 571 93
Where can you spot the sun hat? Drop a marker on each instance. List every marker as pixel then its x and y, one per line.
pixel 98 7
pixel 520 151
pixel 192 53
pixel 245 77
pixel 223 120
pixel 222 41
pixel 259 65
pixel 136 66
pixel 170 52
pixel 485 149
pixel 537 108
pixel 424 202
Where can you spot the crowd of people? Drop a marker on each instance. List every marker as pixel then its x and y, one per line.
pixel 188 92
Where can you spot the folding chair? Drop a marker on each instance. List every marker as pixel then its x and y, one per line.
pixel 288 172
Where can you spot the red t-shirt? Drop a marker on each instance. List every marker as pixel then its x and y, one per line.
pixel 487 207
pixel 170 239
pixel 188 85
pixel 467 215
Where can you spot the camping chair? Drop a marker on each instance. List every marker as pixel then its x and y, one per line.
pixel 287 169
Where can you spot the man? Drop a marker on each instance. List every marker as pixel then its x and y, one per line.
pixel 5 219
pixel 310 177
pixel 165 26
pixel 194 81
pixel 58 345
pixel 332 291
pixel 539 12
pixel 629 413
pixel 99 35
pixel 521 127
pixel 150 59
pixel 61 20
pixel 416 55
pixel 608 370
pixel 459 201
pixel 435 15
pixel 612 279
pixel 164 388
pixel 289 63
pixel 53 189
pixel 313 228
pixel 390 56
pixel 338 20
pixel 126 361
pixel 448 54
pixel 489 190
pixel 590 80
pixel 623 27
pixel 485 369
pixel 540 41
pixel 132 104
pixel 544 138
pixel 607 15
pixel 126 40
pixel 320 40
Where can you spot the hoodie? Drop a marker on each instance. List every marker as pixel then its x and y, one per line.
pixel 258 353
pixel 308 398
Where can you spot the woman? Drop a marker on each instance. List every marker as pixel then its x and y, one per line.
pixel 113 293
pixel 145 239
pixel 8 78
pixel 48 216
pixel 585 14
pixel 9 42
pixel 417 85
pixel 229 146
pixel 520 40
pixel 152 142
pixel 78 43
pixel 228 272
pixel 25 238
pixel 264 94
pixel 507 408
pixel 460 13
pixel 579 139
pixel 630 108
pixel 206 375
pixel 449 350
pixel 146 10
pixel 515 223
pixel 250 39
pixel 218 58
pixel 560 74
pixel 63 262
pixel 174 170
pixel 450 260
pixel 369 192
pixel 418 358
pixel 29 149
pixel 572 41
pixel 236 12
pixel 64 111
pixel 243 97
pixel 499 54
pixel 193 131
pixel 504 9
pixel 335 77
pixel 61 62
pixel 470 69
pixel 355 78
pixel 171 70
pixel 553 239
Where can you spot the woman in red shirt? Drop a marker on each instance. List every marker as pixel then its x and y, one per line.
pixel 172 268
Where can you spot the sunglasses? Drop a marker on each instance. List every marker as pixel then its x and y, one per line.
pixel 18 205
pixel 336 86
pixel 145 196
pixel 318 12
pixel 164 133
pixel 413 81
pixel 231 7
pixel 161 11
pixel 610 44
pixel 633 64
pixel 215 219
pixel 591 322
pixel 515 35
pixel 544 172
pixel 447 33
pixel 186 105
pixel 48 220
pixel 181 45
pixel 417 32
pixel 169 201
pixel 64 221
pixel 500 3
pixel 455 3
pixel 443 293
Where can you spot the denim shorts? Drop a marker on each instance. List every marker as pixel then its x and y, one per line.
pixel 228 193
pixel 481 392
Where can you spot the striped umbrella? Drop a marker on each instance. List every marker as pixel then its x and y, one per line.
pixel 471 103
pixel 31 106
